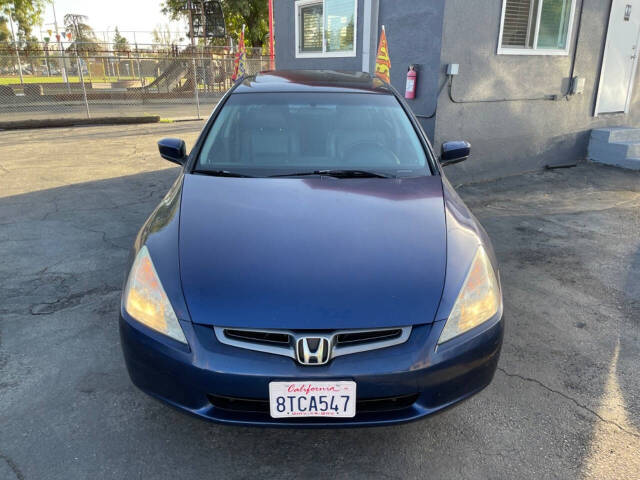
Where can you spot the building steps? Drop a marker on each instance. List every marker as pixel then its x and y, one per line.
pixel 618 146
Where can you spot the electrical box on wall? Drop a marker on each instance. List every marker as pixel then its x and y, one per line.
pixel 577 85
pixel 452 69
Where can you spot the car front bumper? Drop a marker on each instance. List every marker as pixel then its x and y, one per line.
pixel 230 385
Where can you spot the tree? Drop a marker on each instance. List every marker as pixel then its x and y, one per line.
pixel 5 36
pixel 120 42
pixel 25 13
pixel 252 13
pixel 81 33
pixel 5 33
pixel 32 50
pixel 162 36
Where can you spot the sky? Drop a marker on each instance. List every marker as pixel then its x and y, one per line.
pixel 141 16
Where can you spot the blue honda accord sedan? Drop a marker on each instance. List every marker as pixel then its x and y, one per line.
pixel 312 266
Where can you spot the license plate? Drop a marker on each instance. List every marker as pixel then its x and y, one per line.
pixel 312 399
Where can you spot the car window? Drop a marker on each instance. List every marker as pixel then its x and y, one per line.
pixel 273 133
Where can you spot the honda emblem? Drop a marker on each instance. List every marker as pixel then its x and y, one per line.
pixel 313 350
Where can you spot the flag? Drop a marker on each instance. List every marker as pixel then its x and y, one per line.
pixel 383 63
pixel 240 64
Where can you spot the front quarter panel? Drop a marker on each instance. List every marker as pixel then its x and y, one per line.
pixel 160 235
pixel 464 236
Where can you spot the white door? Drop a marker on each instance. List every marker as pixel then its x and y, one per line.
pixel 620 57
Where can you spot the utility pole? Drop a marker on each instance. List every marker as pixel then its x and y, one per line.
pixel 46 56
pixel 135 42
pixel 64 59
pixel 272 60
pixel 15 44
pixel 106 50
pixel 84 89
pixel 193 52
pixel 203 20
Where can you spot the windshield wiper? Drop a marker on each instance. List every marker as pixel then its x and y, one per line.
pixel 337 174
pixel 222 173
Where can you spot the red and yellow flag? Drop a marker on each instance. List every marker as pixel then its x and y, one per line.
pixel 383 63
pixel 240 64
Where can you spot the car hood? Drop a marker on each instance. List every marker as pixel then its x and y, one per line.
pixel 313 253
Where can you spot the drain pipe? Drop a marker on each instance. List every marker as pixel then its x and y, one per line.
pixel 369 33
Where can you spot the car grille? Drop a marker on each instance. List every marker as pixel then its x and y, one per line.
pixel 367 336
pixel 258 337
pixel 367 405
pixel 283 342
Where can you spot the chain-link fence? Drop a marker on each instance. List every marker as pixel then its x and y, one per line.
pixel 41 81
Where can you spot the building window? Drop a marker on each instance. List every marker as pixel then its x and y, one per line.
pixel 536 27
pixel 326 28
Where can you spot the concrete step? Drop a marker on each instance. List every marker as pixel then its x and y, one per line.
pixel 626 155
pixel 632 148
pixel 623 153
pixel 618 149
pixel 628 163
pixel 616 134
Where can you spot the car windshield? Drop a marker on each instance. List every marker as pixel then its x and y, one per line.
pixel 272 134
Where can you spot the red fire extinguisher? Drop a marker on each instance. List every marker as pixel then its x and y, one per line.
pixel 412 78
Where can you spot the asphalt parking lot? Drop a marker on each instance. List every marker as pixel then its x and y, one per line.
pixel 565 402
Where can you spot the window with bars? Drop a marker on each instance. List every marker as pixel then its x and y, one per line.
pixel 326 28
pixel 536 26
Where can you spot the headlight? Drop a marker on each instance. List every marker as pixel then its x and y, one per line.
pixel 478 300
pixel 146 300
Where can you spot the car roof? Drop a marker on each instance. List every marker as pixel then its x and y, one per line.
pixel 313 81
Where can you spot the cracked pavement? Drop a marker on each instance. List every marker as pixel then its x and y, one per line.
pixel 565 401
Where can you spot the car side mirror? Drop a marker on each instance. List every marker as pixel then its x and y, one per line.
pixel 454 152
pixel 173 149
